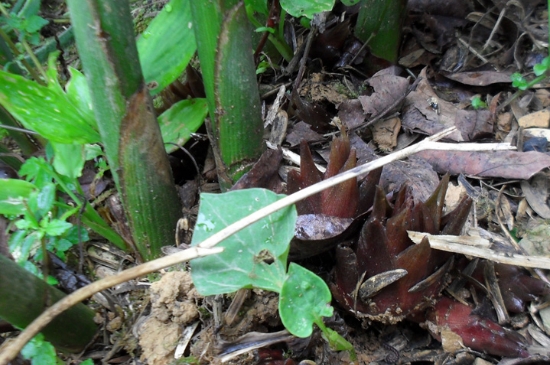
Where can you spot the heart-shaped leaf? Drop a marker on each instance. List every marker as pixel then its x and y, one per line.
pixel 253 257
pixel 305 299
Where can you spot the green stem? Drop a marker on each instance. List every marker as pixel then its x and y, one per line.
pixel 34 59
pixel 125 117
pixel 16 52
pixel 277 40
pixel 25 296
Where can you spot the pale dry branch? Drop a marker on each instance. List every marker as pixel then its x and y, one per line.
pixel 463 245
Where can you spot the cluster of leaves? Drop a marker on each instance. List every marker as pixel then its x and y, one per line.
pixel 43 224
pixel 256 257
pixel 41 352
pixel 25 21
pixel 540 70
pixel 64 117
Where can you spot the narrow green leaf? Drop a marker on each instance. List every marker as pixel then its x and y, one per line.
pixel 12 194
pixel 45 110
pixel 167 45
pixel 93 220
pixel 182 119
pixel 253 257
pixel 305 299
pixel 78 93
pixel 259 6
pixel 307 8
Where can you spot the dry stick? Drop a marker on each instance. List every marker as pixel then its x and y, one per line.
pixel 207 246
pixel 512 240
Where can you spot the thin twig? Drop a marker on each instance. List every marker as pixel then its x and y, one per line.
pixel 207 246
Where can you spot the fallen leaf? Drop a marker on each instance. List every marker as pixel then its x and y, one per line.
pixel 503 164
pixel 480 78
pixel 540 119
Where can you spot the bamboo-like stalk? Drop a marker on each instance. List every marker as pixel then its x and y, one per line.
pixel 24 297
pixel 126 121
pixel 224 45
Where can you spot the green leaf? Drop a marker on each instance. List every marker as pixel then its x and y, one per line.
pixel 259 6
pixel 37 170
pixel 59 246
pixel 541 68
pixel 336 341
pixel 350 2
pixel 21 249
pixel 182 119
pixel 12 194
pixel 305 299
pixel 41 202
pixel 92 151
pixel 247 259
pixel 45 110
pixel 78 93
pixel 34 23
pixel 380 22
pixel 518 81
pixel 31 7
pixel 167 45
pixel 69 159
pixel 57 227
pixel 76 235
pixel 307 8
pixel 39 351
pixel 477 103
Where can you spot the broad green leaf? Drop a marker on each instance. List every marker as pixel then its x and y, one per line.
pixel 41 202
pixel 12 194
pixel 305 299
pixel 307 8
pixel 57 227
pixel 45 110
pixel 69 159
pixel 34 23
pixel 350 2
pixel 182 119
pixel 22 250
pixel 380 22
pixel 92 151
pixel 253 257
pixel 40 351
pixel 167 45
pixel 78 93
pixel 37 170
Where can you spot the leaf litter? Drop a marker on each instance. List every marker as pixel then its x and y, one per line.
pixel 455 51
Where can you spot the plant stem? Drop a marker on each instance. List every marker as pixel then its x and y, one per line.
pixel 125 117
pixel 24 297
